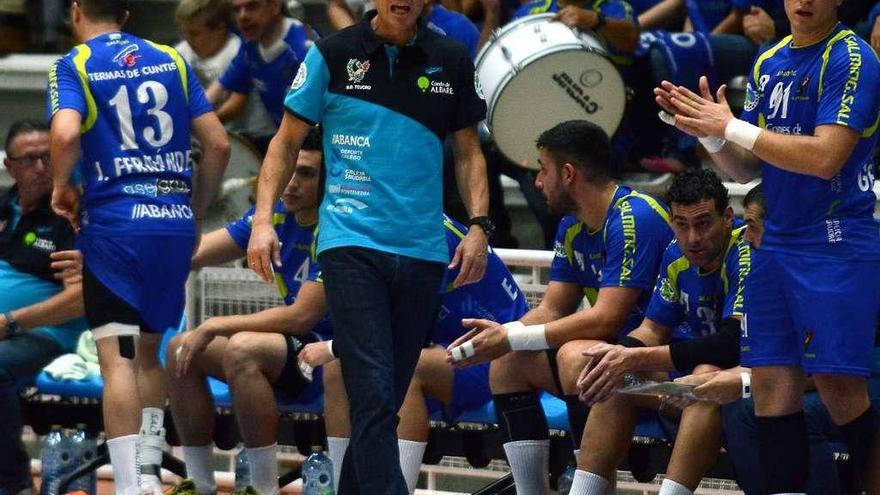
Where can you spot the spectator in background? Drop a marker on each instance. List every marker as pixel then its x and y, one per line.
pixel 209 46
pixel 753 215
pixel 13 26
pixel 273 48
pixel 40 318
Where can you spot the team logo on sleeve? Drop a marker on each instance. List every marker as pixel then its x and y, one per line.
pixel 301 75
pixel 667 291
pixel 751 101
pixel 357 70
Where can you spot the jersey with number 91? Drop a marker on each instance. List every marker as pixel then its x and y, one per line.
pixel 136 99
pixel 792 91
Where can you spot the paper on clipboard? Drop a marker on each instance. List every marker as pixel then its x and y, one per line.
pixel 660 389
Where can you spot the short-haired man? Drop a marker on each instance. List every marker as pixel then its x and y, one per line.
pixel 125 108
pixel 809 128
pixel 40 319
pixel 273 48
pixel 692 323
pixel 255 353
pixel 754 213
pixel 608 250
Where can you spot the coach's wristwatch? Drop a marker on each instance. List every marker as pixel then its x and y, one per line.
pixel 484 223
pixel 11 325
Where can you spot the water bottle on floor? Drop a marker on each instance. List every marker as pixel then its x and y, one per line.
pixel 317 473
pixel 242 470
pixel 56 458
pixel 84 448
pixel 565 480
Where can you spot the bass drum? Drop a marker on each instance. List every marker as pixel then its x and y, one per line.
pixel 536 73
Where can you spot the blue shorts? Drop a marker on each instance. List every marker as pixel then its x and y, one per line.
pixel 148 273
pixel 817 313
pixel 470 390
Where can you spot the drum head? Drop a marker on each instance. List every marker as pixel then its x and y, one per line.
pixel 564 85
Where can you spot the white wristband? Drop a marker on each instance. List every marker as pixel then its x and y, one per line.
pixel 742 133
pixel 526 338
pixel 747 384
pixel 712 144
pixel 330 347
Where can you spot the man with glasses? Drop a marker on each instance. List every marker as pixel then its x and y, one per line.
pixel 40 318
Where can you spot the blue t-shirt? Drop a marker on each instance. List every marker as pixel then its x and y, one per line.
pixel 625 252
pixel 694 303
pixel 297 265
pixel 793 91
pixel 495 297
pixel 384 126
pixel 455 25
pixel 136 99
pixel 640 6
pixel 269 70
pixel 611 9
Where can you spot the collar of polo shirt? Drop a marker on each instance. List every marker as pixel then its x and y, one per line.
pixel 371 41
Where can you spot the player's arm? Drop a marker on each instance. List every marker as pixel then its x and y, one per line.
pixel 560 299
pixel 339 15
pixel 64 145
pixel 732 24
pixel 602 321
pixel 662 15
pixel 216 247
pixel 58 309
pixel 298 319
pixel 232 107
pixel 277 168
pixel 215 93
pixel 215 156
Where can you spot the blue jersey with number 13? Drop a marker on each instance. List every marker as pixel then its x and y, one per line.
pixel 136 99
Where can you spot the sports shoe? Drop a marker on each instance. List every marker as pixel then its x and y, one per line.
pixel 186 487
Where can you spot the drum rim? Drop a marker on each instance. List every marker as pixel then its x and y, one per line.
pixel 499 32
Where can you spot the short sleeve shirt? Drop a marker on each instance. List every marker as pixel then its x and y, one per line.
pixel 693 303
pixel 625 252
pixel 793 91
pixel 385 114
pixel 136 99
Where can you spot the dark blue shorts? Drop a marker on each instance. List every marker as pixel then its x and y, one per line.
pixel 820 314
pixel 147 273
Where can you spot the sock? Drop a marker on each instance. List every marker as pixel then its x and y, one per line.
pixel 152 443
pixel 199 460
pixel 264 468
pixel 669 487
pixel 586 483
pixel 123 457
pixel 529 462
pixel 577 418
pixel 859 437
pixel 336 447
pixel 783 450
pixel 411 461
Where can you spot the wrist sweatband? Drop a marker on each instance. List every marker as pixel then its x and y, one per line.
pixel 526 337
pixel 712 144
pixel 747 384
pixel 630 342
pixel 742 133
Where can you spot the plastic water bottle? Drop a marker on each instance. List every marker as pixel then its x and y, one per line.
pixel 84 451
pixel 317 473
pixel 565 480
pixel 56 459
pixel 242 470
